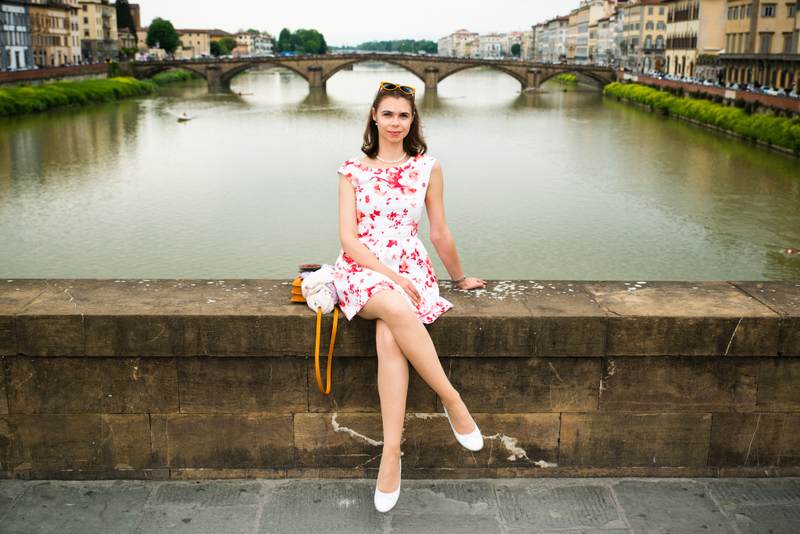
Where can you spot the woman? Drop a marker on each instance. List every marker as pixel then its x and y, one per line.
pixel 380 205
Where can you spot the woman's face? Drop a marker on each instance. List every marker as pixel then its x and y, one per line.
pixel 394 118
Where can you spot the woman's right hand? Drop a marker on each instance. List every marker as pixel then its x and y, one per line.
pixel 409 287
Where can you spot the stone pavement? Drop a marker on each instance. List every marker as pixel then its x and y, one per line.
pixel 588 505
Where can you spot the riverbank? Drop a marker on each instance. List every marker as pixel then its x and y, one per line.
pixel 763 128
pixel 31 99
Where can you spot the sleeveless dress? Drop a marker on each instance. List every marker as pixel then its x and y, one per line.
pixel 389 204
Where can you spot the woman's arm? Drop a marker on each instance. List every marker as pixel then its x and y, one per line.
pixel 348 231
pixel 440 233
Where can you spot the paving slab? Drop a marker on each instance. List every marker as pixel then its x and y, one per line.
pixel 670 506
pixel 198 519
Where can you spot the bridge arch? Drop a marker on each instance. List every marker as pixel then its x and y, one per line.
pixel 149 73
pixel 601 82
pixel 500 68
pixel 228 76
pixel 336 69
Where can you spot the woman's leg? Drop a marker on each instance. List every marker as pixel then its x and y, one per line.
pixel 392 389
pixel 416 344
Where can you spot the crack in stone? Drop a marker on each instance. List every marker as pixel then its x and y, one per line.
pixel 511 446
pixel 752 438
pixel 732 336
pixel 341 428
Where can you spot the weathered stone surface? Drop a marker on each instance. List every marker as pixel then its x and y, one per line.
pixel 85 442
pixel 92 385
pixel 784 298
pixel 217 493
pixel 246 384
pixel 67 507
pixel 491 322
pixel 682 384
pixel 779 385
pixel 14 296
pixel 355 387
pixel 140 335
pixel 731 493
pixel 198 519
pixel 567 321
pixel 224 440
pixel 631 439
pixel 684 505
pixel 50 335
pixel 755 439
pixel 355 440
pixel 685 318
pixel 3 395
pixel 526 384
pixel 557 505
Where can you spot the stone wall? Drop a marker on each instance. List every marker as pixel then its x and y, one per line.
pixel 215 378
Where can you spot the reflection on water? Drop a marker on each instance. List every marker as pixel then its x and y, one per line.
pixel 557 184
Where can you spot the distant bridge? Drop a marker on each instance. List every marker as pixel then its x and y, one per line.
pixel 318 69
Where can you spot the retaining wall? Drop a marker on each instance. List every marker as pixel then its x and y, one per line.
pixel 214 378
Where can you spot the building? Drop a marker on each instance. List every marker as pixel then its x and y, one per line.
pixel 262 45
pixel 195 43
pixel 491 45
pixel 761 43
pixel 55 34
pixel 556 36
pixel 461 43
pixel 245 42
pixel 694 28
pixel 643 45
pixel 526 53
pixel 98 27
pixel 509 40
pixel 16 48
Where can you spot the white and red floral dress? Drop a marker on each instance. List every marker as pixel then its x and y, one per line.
pixel 389 204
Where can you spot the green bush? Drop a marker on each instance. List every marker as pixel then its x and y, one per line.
pixel 765 127
pixel 28 99
pixel 566 78
pixel 172 76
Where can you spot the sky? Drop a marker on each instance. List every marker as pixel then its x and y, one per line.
pixel 350 22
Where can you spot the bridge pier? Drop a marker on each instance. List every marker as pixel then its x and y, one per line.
pixel 216 84
pixel 431 78
pixel 532 80
pixel 315 77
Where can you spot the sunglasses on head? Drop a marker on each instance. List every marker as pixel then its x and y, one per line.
pixel 405 89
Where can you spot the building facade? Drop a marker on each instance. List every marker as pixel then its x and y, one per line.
pixel 694 28
pixel 643 46
pixel 98 28
pixel 195 43
pixel 491 45
pixel 55 34
pixel 16 47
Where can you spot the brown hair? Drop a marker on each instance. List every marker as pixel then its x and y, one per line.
pixel 413 143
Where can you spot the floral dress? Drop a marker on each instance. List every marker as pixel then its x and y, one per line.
pixel 389 204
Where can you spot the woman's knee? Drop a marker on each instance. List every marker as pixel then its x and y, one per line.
pixel 389 305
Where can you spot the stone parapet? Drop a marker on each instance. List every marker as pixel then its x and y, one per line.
pixel 215 378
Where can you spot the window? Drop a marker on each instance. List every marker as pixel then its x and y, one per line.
pixel 648 41
pixel 765 43
pixel 788 46
pixel 660 10
pixel 768 10
pixel 649 25
pixel 739 44
pixel 791 10
pixel 86 20
pixel 650 10
pixel 660 42
pixel 661 25
pixel 748 11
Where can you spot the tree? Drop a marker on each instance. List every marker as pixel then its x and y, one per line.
pixel 284 41
pixel 124 17
pixel 216 49
pixel 163 34
pixel 227 45
pixel 302 41
pixel 515 49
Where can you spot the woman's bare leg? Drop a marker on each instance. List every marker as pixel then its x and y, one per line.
pixel 393 390
pixel 415 343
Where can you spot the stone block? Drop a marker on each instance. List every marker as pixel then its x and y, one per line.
pixel 355 387
pixel 79 442
pixel 784 298
pixel 224 440
pixel 685 318
pixel 514 385
pixel 779 385
pixel 3 389
pixel 141 335
pixel 683 384
pixel 755 439
pixel 15 295
pixel 355 440
pixel 489 322
pixel 242 385
pixel 50 335
pixel 92 385
pixel 634 440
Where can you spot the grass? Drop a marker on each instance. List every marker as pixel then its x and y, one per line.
pixel 765 127
pixel 565 78
pixel 36 98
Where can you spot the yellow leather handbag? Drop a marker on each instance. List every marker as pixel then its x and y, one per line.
pixel 297 296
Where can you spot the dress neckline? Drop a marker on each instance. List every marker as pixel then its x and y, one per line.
pixel 408 162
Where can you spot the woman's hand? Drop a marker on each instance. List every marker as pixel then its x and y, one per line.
pixel 471 283
pixel 409 287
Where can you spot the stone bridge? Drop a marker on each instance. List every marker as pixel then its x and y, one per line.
pixel 318 69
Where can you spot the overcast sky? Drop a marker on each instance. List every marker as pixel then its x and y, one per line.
pixel 349 22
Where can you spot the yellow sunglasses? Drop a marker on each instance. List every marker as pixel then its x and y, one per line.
pixel 405 89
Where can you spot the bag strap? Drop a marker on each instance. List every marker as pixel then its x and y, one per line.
pixel 325 390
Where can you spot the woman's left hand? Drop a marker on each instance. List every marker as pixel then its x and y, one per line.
pixel 472 283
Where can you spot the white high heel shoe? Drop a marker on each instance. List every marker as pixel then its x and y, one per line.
pixel 386 501
pixel 472 441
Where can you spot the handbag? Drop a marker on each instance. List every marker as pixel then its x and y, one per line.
pixel 298 296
